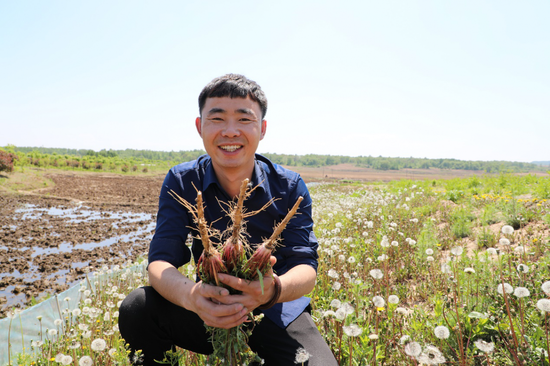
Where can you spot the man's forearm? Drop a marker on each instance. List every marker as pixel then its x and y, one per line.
pixel 297 282
pixel 170 283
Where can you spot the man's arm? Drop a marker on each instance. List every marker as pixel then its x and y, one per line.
pixel 208 302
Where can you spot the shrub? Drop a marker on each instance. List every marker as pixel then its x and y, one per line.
pixel 6 161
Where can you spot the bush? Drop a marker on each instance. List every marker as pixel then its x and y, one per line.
pixel 6 161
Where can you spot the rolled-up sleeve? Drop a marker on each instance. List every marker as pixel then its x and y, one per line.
pixel 168 243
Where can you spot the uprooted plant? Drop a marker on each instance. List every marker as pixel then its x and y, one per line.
pixel 234 257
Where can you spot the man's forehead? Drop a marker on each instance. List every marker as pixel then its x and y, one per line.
pixel 231 105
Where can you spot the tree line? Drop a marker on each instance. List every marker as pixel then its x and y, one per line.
pixel 146 160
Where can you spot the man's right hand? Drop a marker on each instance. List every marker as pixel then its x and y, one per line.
pixel 210 303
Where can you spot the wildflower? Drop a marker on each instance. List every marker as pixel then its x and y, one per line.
pixel 76 312
pixel 393 299
pixel 347 308
pixel 507 230
pixel 413 349
pixel 66 360
pixel 394 243
pixel 429 258
pixel 504 241
pixel 74 345
pixel 401 310
pixel 431 356
pixel 378 301
pixel 491 251
pixel 57 322
pixel 521 292
pixel 546 287
pixel 519 249
pixel 98 344
pixel 483 346
pixel 469 270
pixel 382 258
pixel 342 258
pixel 376 274
pixel 457 251
pixel 335 303
pixel 441 332
pixel 522 268
pixel 373 337
pixel 333 274
pixel 112 352
pixel 404 339
pixel 353 330
pixel 59 357
pixel 340 314
pixel 351 260
pixel 544 305
pixel 329 313
pixel 429 251
pixel 385 242
pixel 301 356
pixel 336 286
pixel 507 288
pixel 52 332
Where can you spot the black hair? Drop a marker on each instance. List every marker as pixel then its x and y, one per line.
pixel 233 86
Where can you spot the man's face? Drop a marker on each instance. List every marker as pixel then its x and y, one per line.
pixel 231 129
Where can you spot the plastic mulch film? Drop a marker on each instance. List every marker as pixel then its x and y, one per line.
pixel 33 324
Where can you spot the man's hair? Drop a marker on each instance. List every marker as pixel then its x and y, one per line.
pixel 233 86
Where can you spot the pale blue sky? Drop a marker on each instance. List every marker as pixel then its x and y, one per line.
pixel 438 79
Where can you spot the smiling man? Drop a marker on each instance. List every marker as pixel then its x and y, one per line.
pixel 174 309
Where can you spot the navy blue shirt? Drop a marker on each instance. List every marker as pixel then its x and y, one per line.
pixel 298 244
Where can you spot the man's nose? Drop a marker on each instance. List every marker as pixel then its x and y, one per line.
pixel 231 129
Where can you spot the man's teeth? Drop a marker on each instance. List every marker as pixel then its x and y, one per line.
pixel 231 148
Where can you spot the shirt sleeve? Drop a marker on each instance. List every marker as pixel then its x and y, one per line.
pixel 299 241
pixel 173 222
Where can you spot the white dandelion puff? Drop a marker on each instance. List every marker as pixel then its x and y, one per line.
pixel 521 292
pixel 457 251
pixel 378 301
pixel 85 361
pixel 429 251
pixel 504 241
pixel 335 303
pixel 376 274
pixel 98 344
pixel 522 268
pixel 507 288
pixel 469 270
pixel 483 346
pixel 353 330
pixel 544 305
pixel 546 287
pixel 393 299
pixel 442 332
pixel 301 356
pixel 507 230
pixel 413 349
pixel 66 360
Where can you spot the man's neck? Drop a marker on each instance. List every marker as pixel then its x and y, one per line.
pixel 231 179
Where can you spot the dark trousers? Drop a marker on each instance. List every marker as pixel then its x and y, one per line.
pixel 150 323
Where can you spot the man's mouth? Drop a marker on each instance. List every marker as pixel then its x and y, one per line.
pixel 231 148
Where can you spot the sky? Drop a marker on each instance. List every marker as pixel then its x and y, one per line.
pixel 467 80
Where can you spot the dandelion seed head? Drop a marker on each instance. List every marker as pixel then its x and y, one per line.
pixel 507 230
pixel 404 339
pixel 504 241
pixel 491 251
pixel 85 361
pixel 382 258
pixel 522 268
pixel 66 360
pixel 413 349
pixel 457 251
pixel 52 332
pixel 301 356
pixel 385 243
pixel 373 337
pixel 393 299
pixel 98 345
pixel 546 287
pixel 336 286
pixel 335 303
pixel 507 288
pixel 351 260
pixel 429 258
pixel 544 305
pixel 353 330
pixel 431 356
pixel 469 270
pixel 520 249
pixel 376 274
pixel 333 274
pixel 347 308
pixel 442 332
pixel 401 310
pixel 429 251
pixel 487 347
pixel 521 292
pixel 378 301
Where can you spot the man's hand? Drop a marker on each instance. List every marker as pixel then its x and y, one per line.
pixel 213 305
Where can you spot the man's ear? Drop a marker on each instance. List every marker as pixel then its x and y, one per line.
pixel 264 127
pixel 198 125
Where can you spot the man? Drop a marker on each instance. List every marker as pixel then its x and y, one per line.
pixel 174 309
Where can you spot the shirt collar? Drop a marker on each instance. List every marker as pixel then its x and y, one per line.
pixel 258 176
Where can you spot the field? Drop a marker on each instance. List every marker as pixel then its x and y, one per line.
pixel 411 270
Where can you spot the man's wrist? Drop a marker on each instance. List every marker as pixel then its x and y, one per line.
pixel 276 293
